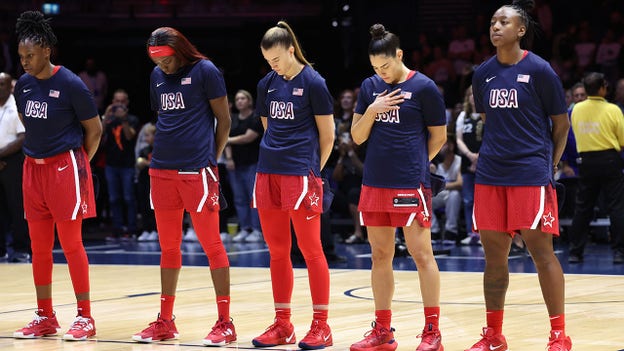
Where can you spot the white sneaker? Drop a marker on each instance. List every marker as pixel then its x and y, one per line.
pixel 153 236
pixel 145 236
pixel 190 235
pixel 240 237
pixel 225 237
pixel 254 237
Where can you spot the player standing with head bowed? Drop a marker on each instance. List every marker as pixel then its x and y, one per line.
pixel 55 106
pixel 296 110
pixel 188 92
pixel 526 130
pixel 401 114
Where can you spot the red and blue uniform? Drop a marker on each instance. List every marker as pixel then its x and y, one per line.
pixel 518 101
pixel 52 110
pixel 396 175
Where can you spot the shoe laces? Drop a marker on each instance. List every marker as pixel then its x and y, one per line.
pixel 273 328
pixel 37 320
pixel 316 329
pixel 80 323
pixel 221 325
pixel 376 331
pixel 428 334
pixel 557 344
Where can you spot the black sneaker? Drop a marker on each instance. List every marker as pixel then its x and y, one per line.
pixel 20 257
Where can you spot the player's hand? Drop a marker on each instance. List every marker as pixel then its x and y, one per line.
pixel 385 101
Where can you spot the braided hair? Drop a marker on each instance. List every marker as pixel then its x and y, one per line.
pixel 33 26
pixel 524 7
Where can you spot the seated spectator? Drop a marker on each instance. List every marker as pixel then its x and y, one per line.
pixel 448 199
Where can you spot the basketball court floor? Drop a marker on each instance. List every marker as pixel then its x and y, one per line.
pixel 125 293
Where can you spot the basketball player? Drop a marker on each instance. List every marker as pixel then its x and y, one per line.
pixel 55 105
pixel 188 92
pixel 296 110
pixel 527 127
pixel 401 113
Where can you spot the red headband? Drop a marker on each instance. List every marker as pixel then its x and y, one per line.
pixel 160 51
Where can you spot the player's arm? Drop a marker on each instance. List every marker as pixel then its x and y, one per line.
pixel 362 124
pixel 560 128
pixel 264 121
pixel 437 138
pixel 326 126
pixel 221 110
pixel 92 135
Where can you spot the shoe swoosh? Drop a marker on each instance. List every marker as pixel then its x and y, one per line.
pixel 290 337
pixel 325 338
pixel 492 347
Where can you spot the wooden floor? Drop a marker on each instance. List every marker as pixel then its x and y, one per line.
pixel 125 300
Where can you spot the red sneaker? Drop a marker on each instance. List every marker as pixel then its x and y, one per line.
pixel 279 333
pixel 39 326
pixel 376 339
pixel 81 329
pixel 221 334
pixel 558 341
pixel 319 337
pixel 490 342
pixel 157 331
pixel 431 339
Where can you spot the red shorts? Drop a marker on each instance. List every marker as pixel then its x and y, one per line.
pixel 386 207
pixel 58 187
pixel 512 208
pixel 288 192
pixel 194 190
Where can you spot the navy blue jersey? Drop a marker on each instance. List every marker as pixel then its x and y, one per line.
pixel 290 145
pixel 397 155
pixel 185 130
pixel 518 101
pixel 52 110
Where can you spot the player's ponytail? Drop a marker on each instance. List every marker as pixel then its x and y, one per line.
pixel 33 26
pixel 284 36
pixel 524 7
pixel 382 42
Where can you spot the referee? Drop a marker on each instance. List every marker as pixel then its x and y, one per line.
pixel 599 129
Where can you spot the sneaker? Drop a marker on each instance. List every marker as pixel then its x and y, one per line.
pixel 190 235
pixel 145 236
pixel 153 236
pixel 157 331
pixel 376 339
pixel 221 334
pixel 240 236
pixel 471 239
pixel 81 329
pixel 431 339
pixel 40 326
pixel 558 341
pixel 319 337
pixel 354 239
pixel 490 342
pixel 254 237
pixel 281 332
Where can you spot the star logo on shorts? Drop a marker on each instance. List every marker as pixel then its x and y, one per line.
pixel 425 217
pixel 548 220
pixel 84 207
pixel 314 199
pixel 215 199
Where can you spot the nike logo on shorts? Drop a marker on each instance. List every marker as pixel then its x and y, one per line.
pixel 310 217
pixel 62 168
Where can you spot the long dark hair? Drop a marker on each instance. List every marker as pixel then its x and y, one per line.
pixel 33 26
pixel 382 41
pixel 284 36
pixel 524 7
pixel 177 41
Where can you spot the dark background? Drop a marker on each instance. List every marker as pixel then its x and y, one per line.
pixel 334 37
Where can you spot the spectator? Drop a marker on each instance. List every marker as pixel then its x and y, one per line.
pixel 569 166
pixel 119 140
pixel 469 129
pixel 11 164
pixel 450 198
pixel 148 221
pixel 96 81
pixel 608 56
pixel 599 129
pixel 619 94
pixel 241 156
